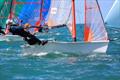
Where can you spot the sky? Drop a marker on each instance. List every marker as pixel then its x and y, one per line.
pixel 105 6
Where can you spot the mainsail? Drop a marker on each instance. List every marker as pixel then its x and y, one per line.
pixel 26 10
pixel 61 13
pixel 94 29
pixel 113 17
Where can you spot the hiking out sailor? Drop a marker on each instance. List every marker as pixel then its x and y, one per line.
pixel 9 23
pixel 27 36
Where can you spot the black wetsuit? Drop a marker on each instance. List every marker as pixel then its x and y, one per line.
pixel 1 32
pixel 31 39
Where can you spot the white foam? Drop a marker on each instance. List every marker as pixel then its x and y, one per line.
pixel 35 54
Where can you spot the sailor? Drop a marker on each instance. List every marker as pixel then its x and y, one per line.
pixel 1 32
pixel 40 28
pixel 8 23
pixel 27 36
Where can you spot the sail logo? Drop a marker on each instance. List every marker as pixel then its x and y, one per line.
pixel 53 10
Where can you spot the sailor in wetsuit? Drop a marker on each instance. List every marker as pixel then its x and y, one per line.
pixel 1 32
pixel 27 36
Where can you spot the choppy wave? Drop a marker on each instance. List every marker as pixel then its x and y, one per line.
pixel 59 66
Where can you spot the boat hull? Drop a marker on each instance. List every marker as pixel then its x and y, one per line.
pixel 68 47
pixel 11 37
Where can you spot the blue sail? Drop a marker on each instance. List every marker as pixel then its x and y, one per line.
pixel 26 10
pixel 30 13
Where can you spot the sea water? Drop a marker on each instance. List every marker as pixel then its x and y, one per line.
pixel 15 65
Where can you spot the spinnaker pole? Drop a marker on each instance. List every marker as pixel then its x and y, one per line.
pixel 73 21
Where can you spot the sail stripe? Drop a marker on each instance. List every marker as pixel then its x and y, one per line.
pixel 59 12
pixel 94 29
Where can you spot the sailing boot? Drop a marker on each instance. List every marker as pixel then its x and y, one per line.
pixel 44 42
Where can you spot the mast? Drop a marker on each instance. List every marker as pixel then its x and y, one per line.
pixel 13 2
pixel 38 23
pixel 85 25
pixel 41 9
pixel 73 21
pixel 100 12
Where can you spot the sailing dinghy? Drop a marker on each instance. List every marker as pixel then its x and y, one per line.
pixel 64 12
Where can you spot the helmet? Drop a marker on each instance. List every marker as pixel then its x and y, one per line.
pixel 27 25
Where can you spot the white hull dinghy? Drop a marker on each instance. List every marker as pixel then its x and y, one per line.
pixel 95 34
pixel 68 47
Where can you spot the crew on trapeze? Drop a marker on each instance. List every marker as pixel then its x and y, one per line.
pixel 23 31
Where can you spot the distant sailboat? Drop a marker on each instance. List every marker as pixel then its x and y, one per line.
pixel 113 17
pixel 30 11
pixel 64 12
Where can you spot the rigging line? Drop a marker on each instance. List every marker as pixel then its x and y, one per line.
pixel 102 20
pixel 69 15
pixel 100 12
pixel 58 26
pixel 41 9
